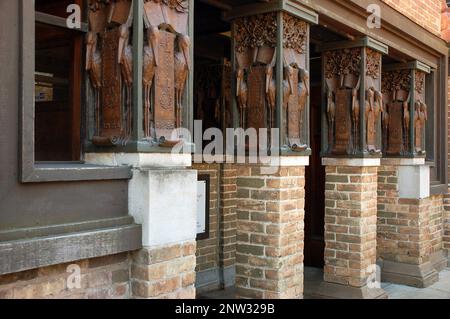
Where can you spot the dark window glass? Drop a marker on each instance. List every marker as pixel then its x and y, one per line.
pixel 57 87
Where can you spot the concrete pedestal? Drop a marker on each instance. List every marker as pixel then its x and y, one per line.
pixel 163 198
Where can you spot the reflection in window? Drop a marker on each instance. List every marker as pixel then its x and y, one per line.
pixel 57 86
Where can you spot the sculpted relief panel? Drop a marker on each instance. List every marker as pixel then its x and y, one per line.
pixel 167 64
pixel 166 68
pixel 346 109
pixel 256 81
pixel 109 64
pixel 401 94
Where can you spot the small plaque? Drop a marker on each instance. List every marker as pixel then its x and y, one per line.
pixel 203 190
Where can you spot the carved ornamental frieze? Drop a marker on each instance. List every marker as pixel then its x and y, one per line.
pixel 405 111
pixel 167 64
pixel 353 97
pixel 343 80
pixel 109 64
pixel 256 80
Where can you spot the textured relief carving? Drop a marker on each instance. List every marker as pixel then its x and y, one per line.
pixel 420 112
pixel 256 76
pixel 167 65
pixel 165 116
pixel 347 107
pixel 342 144
pixel 420 117
pixel 397 83
pixel 373 63
pixel 242 96
pixel 109 64
pixel 420 81
pixel 343 80
pixel 257 98
pixel 341 63
pixel 295 33
pixel 396 86
pixel 255 31
pixel 373 109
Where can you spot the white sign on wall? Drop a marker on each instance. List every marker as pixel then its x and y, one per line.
pixel 201 207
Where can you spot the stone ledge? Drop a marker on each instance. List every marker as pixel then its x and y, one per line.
pixel 31 253
pixel 402 161
pixel 359 162
pixel 275 161
pixel 140 160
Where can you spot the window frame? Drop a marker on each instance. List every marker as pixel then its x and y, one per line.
pixel 30 170
pixel 438 125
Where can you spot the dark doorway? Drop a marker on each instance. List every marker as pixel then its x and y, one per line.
pixel 315 175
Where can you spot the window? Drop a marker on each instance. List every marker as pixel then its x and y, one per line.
pixel 53 91
pixel 436 129
pixel 58 76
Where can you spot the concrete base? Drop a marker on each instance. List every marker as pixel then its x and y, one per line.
pixel 439 261
pixel 327 290
pixel 316 288
pixel 210 280
pixel 207 281
pixel 420 276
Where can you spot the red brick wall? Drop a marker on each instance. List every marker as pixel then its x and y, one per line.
pixel 426 13
pixel 101 278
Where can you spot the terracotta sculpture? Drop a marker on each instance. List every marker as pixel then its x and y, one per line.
pixel 110 66
pixel 370 119
pixel 355 113
pixel 420 117
pixel 406 121
pixel 242 95
pixel 126 64
pixel 331 113
pixel 303 94
pixel 182 68
pixel 271 92
pixel 150 64
pixel 94 67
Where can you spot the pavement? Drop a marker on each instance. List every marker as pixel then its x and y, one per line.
pixel 440 290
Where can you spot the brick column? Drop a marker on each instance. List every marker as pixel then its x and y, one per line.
pixel 227 224
pixel 350 228
pixel 446 238
pixel 270 231
pixel 165 272
pixel 410 224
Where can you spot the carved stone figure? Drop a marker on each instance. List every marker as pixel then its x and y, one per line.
pixel 109 63
pixel 94 67
pixel 125 58
pixel 406 121
pixel 242 96
pixel 167 64
pixel 182 68
pixel 150 64
pixel 303 94
pixel 420 117
pixel 331 114
pixel 370 116
pixel 355 113
pixel 271 92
